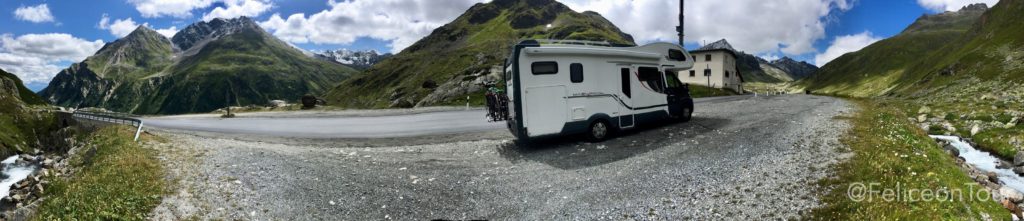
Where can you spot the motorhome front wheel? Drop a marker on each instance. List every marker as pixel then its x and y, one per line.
pixel 598 131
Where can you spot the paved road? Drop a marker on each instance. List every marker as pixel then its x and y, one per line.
pixel 740 158
pixel 342 125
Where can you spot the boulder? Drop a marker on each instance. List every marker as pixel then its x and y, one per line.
pixel 1009 205
pixel 1018 159
pixel 1011 194
pixel 922 118
pixel 277 103
pixel 308 101
pixel 992 177
pixel 1003 165
pixel 1019 170
pixel 949 127
pixel 949 148
pixel 924 110
pixel 975 130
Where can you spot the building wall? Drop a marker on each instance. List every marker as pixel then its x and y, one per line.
pixel 721 62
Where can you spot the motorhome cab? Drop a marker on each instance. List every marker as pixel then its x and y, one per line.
pixel 572 87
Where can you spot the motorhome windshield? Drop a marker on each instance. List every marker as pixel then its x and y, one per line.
pixel 672 80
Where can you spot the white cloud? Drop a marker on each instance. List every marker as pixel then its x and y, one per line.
pixel 38 14
pixel 845 44
pixel 184 8
pixel 237 8
pixel 769 57
pixel 122 27
pixel 788 27
pixel 951 5
pixel 119 28
pixel 168 32
pixel 36 57
pixel 755 26
pixel 173 8
pixel 402 22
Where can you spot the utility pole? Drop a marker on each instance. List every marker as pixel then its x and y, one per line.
pixel 679 28
pixel 707 73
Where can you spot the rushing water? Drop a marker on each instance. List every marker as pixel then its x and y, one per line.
pixel 985 162
pixel 15 173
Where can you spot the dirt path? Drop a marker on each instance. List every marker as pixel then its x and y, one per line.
pixel 753 158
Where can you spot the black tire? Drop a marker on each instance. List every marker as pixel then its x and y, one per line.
pixel 687 115
pixel 599 131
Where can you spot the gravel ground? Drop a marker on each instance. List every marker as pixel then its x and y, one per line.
pixel 744 158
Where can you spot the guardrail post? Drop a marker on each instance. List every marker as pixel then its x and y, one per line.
pixel 137 132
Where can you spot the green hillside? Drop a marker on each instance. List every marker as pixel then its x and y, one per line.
pixel 963 76
pixel 889 64
pixel 24 94
pixel 447 64
pixel 18 123
pixel 208 65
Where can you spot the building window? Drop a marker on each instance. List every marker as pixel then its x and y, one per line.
pixel 693 73
pixel 707 57
pixel 544 67
pixel 576 72
pixel 726 74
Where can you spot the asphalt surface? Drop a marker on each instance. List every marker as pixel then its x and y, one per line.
pixel 342 124
pixel 740 158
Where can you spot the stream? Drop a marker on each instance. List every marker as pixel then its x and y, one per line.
pixel 14 173
pixel 985 162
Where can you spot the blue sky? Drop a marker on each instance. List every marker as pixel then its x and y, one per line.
pixel 39 37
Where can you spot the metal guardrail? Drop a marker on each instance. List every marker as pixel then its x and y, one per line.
pixel 112 117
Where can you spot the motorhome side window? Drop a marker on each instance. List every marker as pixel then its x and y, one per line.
pixel 576 72
pixel 625 83
pixel 693 73
pixel 544 67
pixel 677 55
pixel 652 79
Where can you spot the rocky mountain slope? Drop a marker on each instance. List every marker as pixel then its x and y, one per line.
pixel 361 60
pixel 13 91
pixel 795 69
pixel 19 125
pixel 203 67
pixel 447 65
pixel 902 61
pixel 756 69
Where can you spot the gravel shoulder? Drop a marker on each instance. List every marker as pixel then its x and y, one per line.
pixel 742 158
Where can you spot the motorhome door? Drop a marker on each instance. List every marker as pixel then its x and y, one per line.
pixel 545 110
pixel 626 118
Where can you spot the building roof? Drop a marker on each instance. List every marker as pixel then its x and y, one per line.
pixel 720 45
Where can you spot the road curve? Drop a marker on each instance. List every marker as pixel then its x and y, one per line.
pixel 348 126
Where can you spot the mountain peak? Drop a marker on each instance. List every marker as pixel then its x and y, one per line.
pixel 215 28
pixel 143 30
pixel 975 7
pixel 958 20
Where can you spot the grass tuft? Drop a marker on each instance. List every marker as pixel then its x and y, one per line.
pixel 120 181
pixel 890 153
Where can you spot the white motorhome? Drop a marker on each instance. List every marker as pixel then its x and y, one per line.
pixel 580 87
